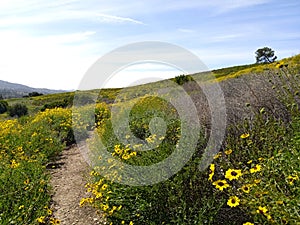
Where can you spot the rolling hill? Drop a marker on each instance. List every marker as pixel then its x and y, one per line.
pixel 13 90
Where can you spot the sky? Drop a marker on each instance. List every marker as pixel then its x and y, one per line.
pixel 52 44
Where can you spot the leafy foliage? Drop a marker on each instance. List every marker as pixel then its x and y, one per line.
pixel 18 110
pixel 265 55
pixel 181 79
pixel 3 106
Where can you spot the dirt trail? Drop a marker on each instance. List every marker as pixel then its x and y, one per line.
pixel 68 181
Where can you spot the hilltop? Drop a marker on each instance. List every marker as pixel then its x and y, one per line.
pixel 14 90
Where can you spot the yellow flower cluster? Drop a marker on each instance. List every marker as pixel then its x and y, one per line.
pixel 124 152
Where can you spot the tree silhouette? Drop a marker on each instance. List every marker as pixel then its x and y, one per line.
pixel 265 55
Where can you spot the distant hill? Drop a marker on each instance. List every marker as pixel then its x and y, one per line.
pixel 13 90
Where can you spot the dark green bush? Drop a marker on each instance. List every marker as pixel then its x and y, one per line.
pixel 18 110
pixel 181 79
pixel 58 104
pixel 3 106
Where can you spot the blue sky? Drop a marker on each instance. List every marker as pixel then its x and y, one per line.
pixel 53 43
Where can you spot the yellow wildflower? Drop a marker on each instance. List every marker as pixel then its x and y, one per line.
pixel 54 221
pixel 49 212
pixel 221 184
pixel 262 210
pixel 246 188
pixel 233 201
pixel 255 169
pixel 211 171
pixel 292 178
pixel 105 207
pixel 228 152
pixel 245 135
pixel 218 155
pixel 104 187
pixel 41 219
pixel 14 164
pixel 233 174
pixel 26 182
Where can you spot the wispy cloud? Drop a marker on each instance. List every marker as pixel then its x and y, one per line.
pixel 117 19
pixel 61 38
pixel 223 6
pixel 183 30
pixel 47 17
pixel 225 37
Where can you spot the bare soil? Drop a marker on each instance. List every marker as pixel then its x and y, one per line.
pixel 68 179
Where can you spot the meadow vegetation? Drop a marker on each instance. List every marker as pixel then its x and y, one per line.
pixel 254 179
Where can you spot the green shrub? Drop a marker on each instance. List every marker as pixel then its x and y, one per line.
pixel 3 106
pixel 57 104
pixel 181 79
pixel 18 110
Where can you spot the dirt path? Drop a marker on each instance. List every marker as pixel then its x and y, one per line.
pixel 68 181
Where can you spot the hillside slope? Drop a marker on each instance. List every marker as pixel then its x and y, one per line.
pixel 13 90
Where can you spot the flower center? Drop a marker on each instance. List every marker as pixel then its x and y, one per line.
pixel 221 184
pixel 233 173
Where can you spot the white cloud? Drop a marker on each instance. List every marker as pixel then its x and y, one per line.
pixel 17 12
pixel 113 19
pixel 40 62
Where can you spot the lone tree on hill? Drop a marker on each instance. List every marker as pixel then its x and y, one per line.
pixel 265 55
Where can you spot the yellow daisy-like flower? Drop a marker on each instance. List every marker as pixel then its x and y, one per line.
pixel 41 219
pixel 262 210
pixel 211 172
pixel 257 181
pixel 248 223
pixel 218 155
pixel 232 174
pixel 49 212
pixel 255 169
pixel 130 223
pixel 54 221
pixel 245 135
pixel 292 178
pixel 14 164
pixel 104 187
pixel 228 152
pixel 233 201
pixel 105 207
pixel 246 188
pixel 126 156
pixel 221 184
pixel 26 181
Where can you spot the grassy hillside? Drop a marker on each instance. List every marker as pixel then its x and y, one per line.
pixel 252 180
pixel 108 95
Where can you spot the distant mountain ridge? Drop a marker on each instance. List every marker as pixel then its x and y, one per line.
pixel 14 90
